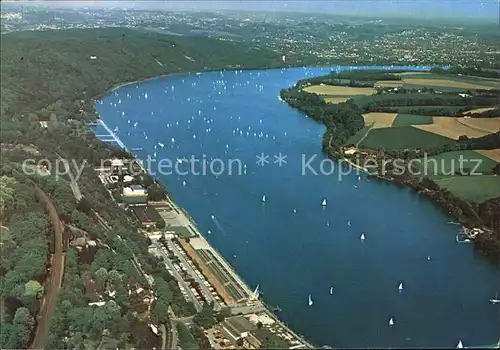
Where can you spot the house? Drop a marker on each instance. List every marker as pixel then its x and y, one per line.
pixel 238 327
pixel 134 190
pixel 350 150
pixel 146 215
pixel 115 162
pixel 128 178
pixel 44 124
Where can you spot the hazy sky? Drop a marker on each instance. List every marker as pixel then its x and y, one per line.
pixel 420 8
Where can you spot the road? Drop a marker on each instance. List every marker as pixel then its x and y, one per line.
pixel 55 275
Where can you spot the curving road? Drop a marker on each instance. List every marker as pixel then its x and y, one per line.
pixel 55 274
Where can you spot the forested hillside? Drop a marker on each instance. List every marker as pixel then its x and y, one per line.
pixel 50 76
pixel 39 68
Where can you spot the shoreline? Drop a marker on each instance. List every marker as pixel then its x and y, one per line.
pixel 194 227
pixel 231 69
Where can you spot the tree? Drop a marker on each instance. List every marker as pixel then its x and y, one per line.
pixel 205 318
pixel 114 278
pixel 101 276
pixel 33 288
pixel 160 224
pixel 240 342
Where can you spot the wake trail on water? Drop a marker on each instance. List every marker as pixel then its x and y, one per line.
pixel 218 225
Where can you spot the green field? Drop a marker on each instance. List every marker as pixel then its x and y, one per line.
pixel 472 188
pixel 354 139
pixel 437 88
pixel 447 164
pixel 411 119
pixel 404 137
pixel 464 79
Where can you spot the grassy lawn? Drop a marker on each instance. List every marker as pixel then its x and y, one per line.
pixel 404 137
pixel 447 164
pixel 472 188
pixel 411 119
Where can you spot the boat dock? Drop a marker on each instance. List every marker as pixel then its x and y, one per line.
pixel 110 137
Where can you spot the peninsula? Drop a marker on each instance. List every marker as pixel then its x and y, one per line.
pixel 437 132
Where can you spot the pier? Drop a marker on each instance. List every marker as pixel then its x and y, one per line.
pixel 110 137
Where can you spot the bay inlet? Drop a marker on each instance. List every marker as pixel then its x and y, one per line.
pixel 291 245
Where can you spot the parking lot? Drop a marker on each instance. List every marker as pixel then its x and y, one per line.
pixel 182 268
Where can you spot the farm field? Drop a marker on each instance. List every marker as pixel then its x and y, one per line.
pixel 472 188
pixel 433 79
pixel 453 128
pixel 479 110
pixel 493 154
pixel 411 119
pixel 449 163
pixel 379 120
pixel 455 89
pixel 404 137
pixel 489 125
pixel 338 90
pixel 389 83
pixel 447 83
pixel 337 99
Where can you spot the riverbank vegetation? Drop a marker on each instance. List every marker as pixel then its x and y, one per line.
pixel 49 83
pixel 407 124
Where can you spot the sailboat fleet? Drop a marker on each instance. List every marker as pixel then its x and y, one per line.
pixel 400 288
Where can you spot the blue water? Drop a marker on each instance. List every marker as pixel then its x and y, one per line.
pixel 292 255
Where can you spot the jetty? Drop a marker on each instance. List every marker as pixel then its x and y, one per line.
pixel 110 137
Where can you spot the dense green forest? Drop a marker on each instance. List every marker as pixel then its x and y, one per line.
pixel 49 76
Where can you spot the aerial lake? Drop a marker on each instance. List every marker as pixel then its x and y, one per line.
pixel 291 245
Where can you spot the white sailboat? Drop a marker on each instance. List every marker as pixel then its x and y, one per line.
pixel 495 300
pixel 263 198
pixel 310 302
pixel 349 223
pixel 323 203
pixel 294 211
pixel 183 183
pixel 362 237
pixel 331 290
pixel 460 345
pixel 391 322
pixel 400 287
